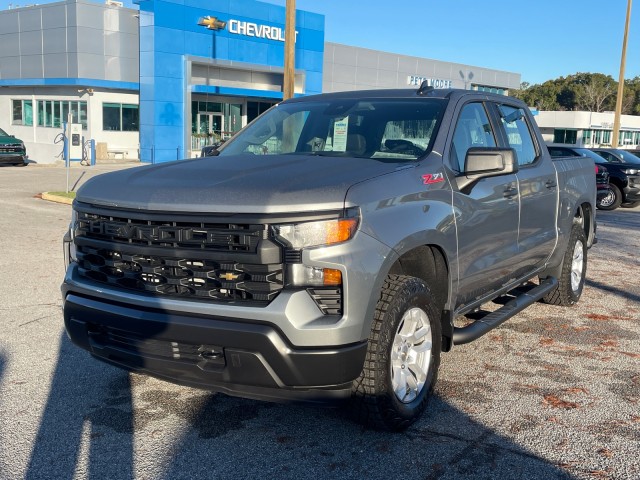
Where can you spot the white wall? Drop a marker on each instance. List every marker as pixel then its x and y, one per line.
pixel 40 140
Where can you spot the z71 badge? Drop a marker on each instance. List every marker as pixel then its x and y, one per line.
pixel 430 178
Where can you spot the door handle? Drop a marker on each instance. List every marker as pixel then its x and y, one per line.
pixel 510 192
pixel 551 184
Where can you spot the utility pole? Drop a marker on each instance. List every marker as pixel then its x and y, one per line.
pixel 289 49
pixel 616 120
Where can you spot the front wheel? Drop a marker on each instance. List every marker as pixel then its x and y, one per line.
pixel 574 269
pixel 403 356
pixel 612 200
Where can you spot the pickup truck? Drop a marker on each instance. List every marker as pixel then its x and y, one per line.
pixel 12 150
pixel 330 251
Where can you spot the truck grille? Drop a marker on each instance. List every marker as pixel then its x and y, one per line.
pixel 11 148
pixel 175 234
pixel 199 260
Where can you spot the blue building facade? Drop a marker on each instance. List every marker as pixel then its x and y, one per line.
pixel 208 68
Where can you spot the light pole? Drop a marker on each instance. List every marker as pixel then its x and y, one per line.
pixel 616 118
pixel 289 49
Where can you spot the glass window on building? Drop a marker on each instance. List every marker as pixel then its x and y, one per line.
pixel 254 109
pixel 22 112
pixel 597 137
pixel 586 137
pixel 561 135
pixel 606 137
pixel 54 113
pixel 120 117
pixel 484 88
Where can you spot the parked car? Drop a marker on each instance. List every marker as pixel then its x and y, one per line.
pixel 605 196
pixel 624 176
pixel 12 150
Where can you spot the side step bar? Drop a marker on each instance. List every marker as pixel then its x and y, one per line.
pixel 491 320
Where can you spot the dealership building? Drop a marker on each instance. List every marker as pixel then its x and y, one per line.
pixel 588 129
pixel 158 82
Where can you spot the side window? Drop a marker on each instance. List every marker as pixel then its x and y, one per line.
pixel 472 130
pixel 608 157
pixel 518 134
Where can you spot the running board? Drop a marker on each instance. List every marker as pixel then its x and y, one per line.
pixel 491 320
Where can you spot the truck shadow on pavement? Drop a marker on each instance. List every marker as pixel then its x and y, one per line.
pixel 90 427
pixel 87 402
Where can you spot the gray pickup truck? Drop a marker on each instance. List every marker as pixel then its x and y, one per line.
pixel 331 249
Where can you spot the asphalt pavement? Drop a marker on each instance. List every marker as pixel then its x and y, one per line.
pixel 552 393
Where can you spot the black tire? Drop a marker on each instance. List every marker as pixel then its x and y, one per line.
pixel 374 402
pixel 572 276
pixel 612 201
pixel 630 204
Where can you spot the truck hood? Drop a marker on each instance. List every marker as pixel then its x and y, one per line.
pixel 235 184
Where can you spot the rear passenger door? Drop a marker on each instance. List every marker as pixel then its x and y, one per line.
pixel 486 213
pixel 538 189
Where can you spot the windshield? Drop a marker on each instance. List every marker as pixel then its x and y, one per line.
pixel 628 157
pixel 385 129
pixel 3 133
pixel 593 155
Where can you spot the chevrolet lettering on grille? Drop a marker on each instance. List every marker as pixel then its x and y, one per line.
pixel 154 233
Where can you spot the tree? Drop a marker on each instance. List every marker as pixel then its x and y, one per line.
pixel 594 92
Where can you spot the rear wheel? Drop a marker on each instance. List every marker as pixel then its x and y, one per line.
pixel 403 356
pixel 612 200
pixel 574 269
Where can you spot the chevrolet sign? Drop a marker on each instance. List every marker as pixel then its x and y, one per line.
pixel 248 29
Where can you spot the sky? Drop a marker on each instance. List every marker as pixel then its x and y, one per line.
pixel 541 40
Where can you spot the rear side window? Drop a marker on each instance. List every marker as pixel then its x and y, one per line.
pixel 608 157
pixel 518 134
pixel 557 152
pixel 472 130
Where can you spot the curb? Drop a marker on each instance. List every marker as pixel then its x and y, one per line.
pixel 56 198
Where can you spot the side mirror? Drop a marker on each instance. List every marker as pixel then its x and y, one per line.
pixel 482 162
pixel 210 151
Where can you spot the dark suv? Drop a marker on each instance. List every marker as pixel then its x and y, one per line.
pixel 12 149
pixel 605 196
pixel 624 172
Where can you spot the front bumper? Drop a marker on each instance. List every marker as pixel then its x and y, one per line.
pixel 12 158
pixel 251 360
pixel 632 192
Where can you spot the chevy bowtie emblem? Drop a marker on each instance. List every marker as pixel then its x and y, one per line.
pixel 212 23
pixel 229 276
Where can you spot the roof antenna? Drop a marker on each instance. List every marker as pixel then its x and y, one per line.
pixel 425 88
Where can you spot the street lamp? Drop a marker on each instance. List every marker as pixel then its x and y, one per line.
pixel 289 49
pixel 616 118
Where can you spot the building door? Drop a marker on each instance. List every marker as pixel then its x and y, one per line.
pixel 211 124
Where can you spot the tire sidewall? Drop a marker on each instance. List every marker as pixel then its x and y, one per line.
pixel 414 294
pixel 617 199
pixel 577 236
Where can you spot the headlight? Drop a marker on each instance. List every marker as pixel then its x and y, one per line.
pixel 313 234
pixel 69 240
pixel 631 171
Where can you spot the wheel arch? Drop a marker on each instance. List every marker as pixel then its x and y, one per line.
pixel 430 263
pixel 585 214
